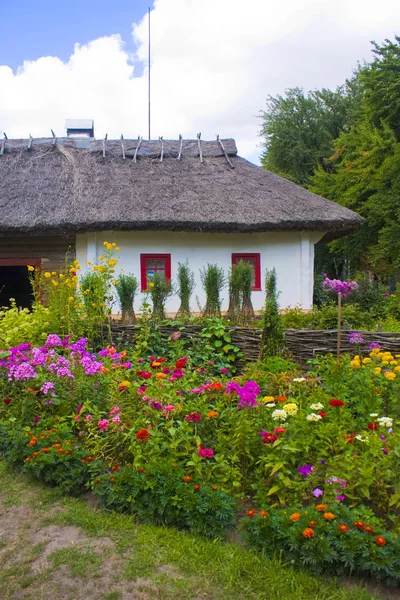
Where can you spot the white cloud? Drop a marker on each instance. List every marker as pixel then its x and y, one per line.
pixel 213 64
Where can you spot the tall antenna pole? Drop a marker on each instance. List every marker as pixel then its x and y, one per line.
pixel 149 77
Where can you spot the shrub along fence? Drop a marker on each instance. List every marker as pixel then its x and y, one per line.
pixel 302 344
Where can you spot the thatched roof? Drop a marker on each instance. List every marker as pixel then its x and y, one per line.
pixel 70 185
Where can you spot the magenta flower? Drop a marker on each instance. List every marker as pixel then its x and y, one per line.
pixel 205 452
pixel 192 418
pixel 317 492
pixel 53 341
pixel 116 419
pixel 48 385
pixel 305 470
pixel 224 370
pixel 103 424
pixel 88 418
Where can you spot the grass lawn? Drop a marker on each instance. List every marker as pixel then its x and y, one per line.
pixel 51 546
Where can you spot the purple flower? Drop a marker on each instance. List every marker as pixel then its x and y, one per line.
pixel 48 385
pixel 79 346
pixel 356 337
pixel 78 408
pixel 38 357
pixel 156 405
pixel 317 492
pixel 36 419
pixel 53 341
pixel 305 470
pixel 341 497
pixel 339 287
pixel 374 345
pixel 22 371
pixel 232 387
pixel 64 372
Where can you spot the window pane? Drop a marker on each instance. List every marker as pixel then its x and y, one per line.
pixel 160 264
pixel 150 264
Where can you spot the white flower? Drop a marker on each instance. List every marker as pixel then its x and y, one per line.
pixel 362 438
pixel 271 405
pixel 385 422
pixel 299 379
pixel 317 406
pixel 313 417
pixel 373 415
pixel 279 415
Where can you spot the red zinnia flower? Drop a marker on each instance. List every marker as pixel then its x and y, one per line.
pixel 281 398
pixel 322 414
pixel 336 403
pixel 269 438
pixel 143 435
pixel 7 400
pixel 181 363
pixel 279 429
pixel 373 426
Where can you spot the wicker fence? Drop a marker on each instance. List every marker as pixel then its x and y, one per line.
pixel 303 345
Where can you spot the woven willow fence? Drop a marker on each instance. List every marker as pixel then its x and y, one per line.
pixel 303 345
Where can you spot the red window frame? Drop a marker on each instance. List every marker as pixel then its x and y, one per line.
pixel 255 257
pixel 143 267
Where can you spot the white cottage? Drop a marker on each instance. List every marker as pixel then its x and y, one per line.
pixel 162 202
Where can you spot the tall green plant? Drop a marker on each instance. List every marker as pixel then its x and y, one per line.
pixel 213 280
pixel 127 287
pixel 185 288
pixel 240 309
pixel 160 289
pixel 272 338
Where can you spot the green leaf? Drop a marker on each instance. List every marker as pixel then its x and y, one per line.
pixel 276 467
pixel 273 490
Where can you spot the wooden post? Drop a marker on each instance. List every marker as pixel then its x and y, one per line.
pixel 339 319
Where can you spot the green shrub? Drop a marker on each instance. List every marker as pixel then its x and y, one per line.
pixel 213 280
pixel 160 289
pixel 158 493
pixel 127 286
pixel 336 539
pixel 273 337
pixel 186 286
pixel 20 326
pixel 51 455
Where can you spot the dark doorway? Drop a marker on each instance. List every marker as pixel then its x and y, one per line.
pixel 15 283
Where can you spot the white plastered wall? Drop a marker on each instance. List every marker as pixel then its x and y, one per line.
pixel 291 253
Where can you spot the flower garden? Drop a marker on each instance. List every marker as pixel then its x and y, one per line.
pixel 303 462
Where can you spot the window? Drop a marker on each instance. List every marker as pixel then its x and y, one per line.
pixel 254 261
pixel 154 263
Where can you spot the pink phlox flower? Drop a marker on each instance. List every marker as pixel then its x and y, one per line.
pixel 64 372
pixel 169 407
pixel 38 357
pixel 88 418
pixel 22 371
pixel 103 424
pixel 116 419
pixel 114 410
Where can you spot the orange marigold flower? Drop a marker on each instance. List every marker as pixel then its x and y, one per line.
pixel 89 459
pixel 160 375
pixel 112 480
pixel 368 529
pixel 141 470
pixel 212 414
pixel 56 445
pixel 328 516
pixel 196 487
pixel 312 524
pixel 380 540
pixel 97 480
pixel 35 454
pixel 359 524
pixel 263 513
pixel 27 459
pixel 115 468
pixel 295 516
pixel 45 450
pixel 214 488
pixel 281 398
pixel 216 386
pixel 308 532
pixel 343 527
pixel 60 451
pixel 320 507
pixel 251 513
pixel 187 479
pixel 32 442
pixel 68 452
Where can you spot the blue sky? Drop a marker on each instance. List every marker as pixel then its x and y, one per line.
pixel 34 28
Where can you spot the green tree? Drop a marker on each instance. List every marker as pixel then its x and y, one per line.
pixel 299 128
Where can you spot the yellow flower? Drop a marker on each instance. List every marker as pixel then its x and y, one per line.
pixel 71 299
pixel 77 266
pixel 47 275
pixel 89 263
pixel 385 362
pixel 291 408
pixel 377 370
pixel 61 275
pixel 30 268
pixel 54 282
pixel 268 399
pixel 117 248
pixel 151 284
pixel 394 362
pixel 160 375
pixel 125 384
pixel 54 273
pixel 397 369
pixel 113 245
pixel 101 257
pixel 366 360
pixel 393 295
pixel 390 376
pixel 115 281
pixel 355 363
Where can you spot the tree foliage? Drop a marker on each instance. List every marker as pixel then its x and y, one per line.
pixel 345 146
